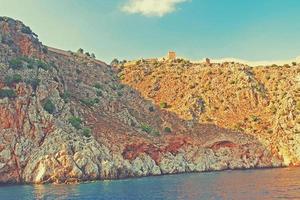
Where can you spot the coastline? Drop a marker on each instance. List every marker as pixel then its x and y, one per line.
pixel 140 177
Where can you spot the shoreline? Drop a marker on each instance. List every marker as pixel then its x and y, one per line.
pixel 140 177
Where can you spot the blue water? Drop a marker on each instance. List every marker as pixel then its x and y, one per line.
pixel 241 185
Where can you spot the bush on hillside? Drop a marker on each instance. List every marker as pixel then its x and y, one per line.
pixel 75 122
pixel 10 80
pixel 66 96
pixel 7 93
pixel 98 86
pixel 167 130
pixel 254 118
pixel 151 109
pixel 96 100
pixel 87 132
pixel 42 65
pixel 49 106
pixel 156 133
pixel 99 93
pixel 80 50
pixel 163 105
pixel 34 82
pixel 114 62
pixel 16 63
pixel 26 30
pixel 90 102
pixel 45 49
pixel 30 63
pixel 146 128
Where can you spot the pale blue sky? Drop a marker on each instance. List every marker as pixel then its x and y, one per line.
pixel 247 29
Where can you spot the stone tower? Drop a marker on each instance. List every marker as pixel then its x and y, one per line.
pixel 171 55
pixel 207 60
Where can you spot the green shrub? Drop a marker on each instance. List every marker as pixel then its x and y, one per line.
pixel 163 105
pixel 30 63
pixel 90 102
pixel 7 93
pixel 10 80
pixel 26 30
pixel 49 106
pixel 114 87
pixel 34 82
pixel 254 118
pixel 16 63
pixel 87 132
pixel 87 102
pixel 119 93
pixel 20 62
pixel 80 51
pixel 122 77
pixel 66 96
pixel 146 128
pixel 42 65
pixel 114 62
pixel 75 122
pixel 151 109
pixel 120 86
pixel 98 86
pixel 156 133
pixel 99 93
pixel 45 49
pixel 96 100
pixel 167 130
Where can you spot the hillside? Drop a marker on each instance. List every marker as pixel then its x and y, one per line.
pixel 261 101
pixel 66 117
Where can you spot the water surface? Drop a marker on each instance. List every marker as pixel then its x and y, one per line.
pixel 251 184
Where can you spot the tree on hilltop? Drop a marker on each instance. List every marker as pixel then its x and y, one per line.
pixel 114 62
pixel 80 50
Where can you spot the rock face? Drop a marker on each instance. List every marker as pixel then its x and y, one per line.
pixel 262 101
pixel 67 118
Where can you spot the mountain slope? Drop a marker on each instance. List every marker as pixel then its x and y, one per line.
pixel 66 117
pixel 261 101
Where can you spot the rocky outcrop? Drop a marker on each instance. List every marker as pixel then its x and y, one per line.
pixel 20 38
pixel 67 118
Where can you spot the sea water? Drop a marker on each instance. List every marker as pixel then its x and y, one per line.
pixel 241 185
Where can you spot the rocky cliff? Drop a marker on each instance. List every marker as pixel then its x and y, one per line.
pixel 66 117
pixel 261 101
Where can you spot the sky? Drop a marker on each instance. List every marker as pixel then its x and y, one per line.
pixel 195 29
